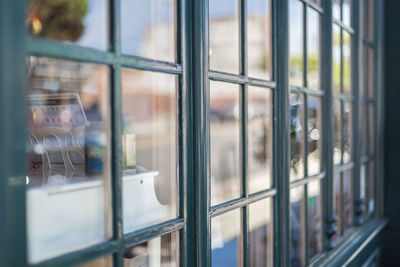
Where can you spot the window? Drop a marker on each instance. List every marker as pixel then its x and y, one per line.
pixel 196 133
pixel 306 131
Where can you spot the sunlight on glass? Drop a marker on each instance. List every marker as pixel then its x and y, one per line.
pixel 313 49
pixel 314 125
pixel 296 56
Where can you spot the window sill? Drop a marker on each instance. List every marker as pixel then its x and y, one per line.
pixel 356 247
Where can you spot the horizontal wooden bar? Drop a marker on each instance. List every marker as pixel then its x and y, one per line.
pixel 307 179
pixel 298 89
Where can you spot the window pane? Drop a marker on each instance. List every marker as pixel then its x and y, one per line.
pixel 225 141
pixel 347 199
pixel 347 7
pixel 370 207
pixel 336 59
pixel 84 23
pixel 364 127
pixel 371 129
pixel 68 157
pixel 297 227
pixel 296 56
pixel 314 136
pixel 337 203
pixel 160 251
pixel 318 2
pixel 347 63
pixel 363 71
pixel 224 35
pixel 337 153
pixel 336 9
pixel 259 126
pixel 148 29
pixel 363 183
pixel 149 142
pixel 296 136
pixel 261 233
pixel 106 261
pixel 371 73
pixel 259 33
pixel 225 240
pixel 314 219
pixel 313 49
pixel 371 20
pixel 364 24
pixel 347 131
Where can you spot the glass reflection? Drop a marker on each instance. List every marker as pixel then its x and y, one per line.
pixel 337 203
pixel 106 261
pixel 347 131
pixel 225 141
pixel 160 251
pixel 149 146
pixel 363 183
pixel 259 126
pixel 148 29
pixel 318 2
pixel 337 152
pixel 371 129
pixel 346 62
pixel 224 35
pixel 314 219
pixel 226 240
pixel 336 9
pixel 336 58
pixel 347 6
pixel 363 71
pixel 313 49
pixel 81 22
pixel 297 227
pixel 259 41
pixel 261 233
pixel 364 24
pixel 347 200
pixel 296 136
pixel 296 56
pixel 68 163
pixel 314 136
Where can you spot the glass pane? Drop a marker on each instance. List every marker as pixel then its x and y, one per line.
pixel 371 73
pixel 261 233
pixel 347 131
pixel 149 148
pixel 336 59
pixel 81 22
pixel 314 219
pixel 336 9
pixel 259 126
pixel 225 240
pixel 68 157
pixel 225 141
pixel 297 227
pixel 313 49
pixel 148 29
pixel 347 12
pixel 296 136
pixel 224 35
pixel 161 251
pixel 347 199
pixel 347 63
pixel 363 71
pixel 371 188
pixel 296 56
pixel 314 161
pixel 371 129
pixel 371 20
pixel 364 24
pixel 106 261
pixel 337 203
pixel 259 33
pixel 337 153
pixel 363 182
pixel 364 128
pixel 318 2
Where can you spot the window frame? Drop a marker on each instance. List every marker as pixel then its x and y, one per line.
pixel 192 68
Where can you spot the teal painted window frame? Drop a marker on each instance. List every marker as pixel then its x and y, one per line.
pixel 192 67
